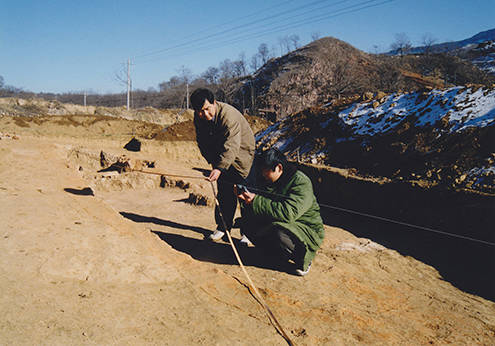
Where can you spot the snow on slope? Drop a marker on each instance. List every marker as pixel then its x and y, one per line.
pixel 462 107
pixel 455 115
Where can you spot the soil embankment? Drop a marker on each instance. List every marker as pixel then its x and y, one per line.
pixel 462 261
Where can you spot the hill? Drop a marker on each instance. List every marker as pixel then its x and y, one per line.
pixel 329 69
pixel 476 40
pixel 478 50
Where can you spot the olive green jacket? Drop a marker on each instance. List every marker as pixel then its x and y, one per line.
pixel 291 204
pixel 227 140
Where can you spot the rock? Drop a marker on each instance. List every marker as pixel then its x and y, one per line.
pixel 198 199
pixel 367 96
pixel 133 145
pixel 104 161
pixel 380 95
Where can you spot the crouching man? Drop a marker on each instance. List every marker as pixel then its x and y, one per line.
pixel 284 216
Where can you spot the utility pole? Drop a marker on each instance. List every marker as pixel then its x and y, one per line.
pixel 85 94
pixel 252 96
pixel 187 95
pixel 128 83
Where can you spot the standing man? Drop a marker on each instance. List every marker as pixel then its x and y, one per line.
pixel 284 216
pixel 227 143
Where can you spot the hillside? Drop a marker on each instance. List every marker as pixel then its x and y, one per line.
pixel 479 50
pixel 329 69
pixel 439 138
pixel 308 76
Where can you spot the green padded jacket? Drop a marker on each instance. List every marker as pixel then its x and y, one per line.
pixel 291 204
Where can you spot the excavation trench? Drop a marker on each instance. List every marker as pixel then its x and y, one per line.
pixel 465 263
pixel 105 172
pixel 462 262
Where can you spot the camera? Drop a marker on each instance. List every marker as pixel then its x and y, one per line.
pixel 241 188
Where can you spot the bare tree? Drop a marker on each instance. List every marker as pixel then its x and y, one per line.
pixel 284 43
pixel 375 49
pixel 294 39
pixel 273 51
pixel 211 75
pixel 1 82
pixel 264 53
pixel 242 63
pixel 255 62
pixel 185 74
pixel 227 70
pixel 389 78
pixel 428 40
pixel 315 35
pixel 237 69
pixel 402 44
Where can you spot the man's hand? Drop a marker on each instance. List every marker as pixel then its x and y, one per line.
pixel 247 197
pixel 214 175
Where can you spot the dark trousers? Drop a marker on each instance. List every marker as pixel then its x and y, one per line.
pixel 227 199
pixel 279 242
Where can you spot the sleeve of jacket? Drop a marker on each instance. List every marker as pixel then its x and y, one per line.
pixel 231 132
pixel 202 141
pixel 299 200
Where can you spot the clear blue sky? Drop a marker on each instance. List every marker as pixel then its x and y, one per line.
pixel 71 46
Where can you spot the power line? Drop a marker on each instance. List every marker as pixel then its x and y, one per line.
pixel 267 193
pixel 428 229
pixel 250 24
pixel 408 224
pixel 306 21
pixel 270 28
pixel 214 34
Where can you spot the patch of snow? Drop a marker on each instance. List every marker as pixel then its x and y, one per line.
pixel 282 144
pixel 463 107
pixel 479 110
pixel 479 173
pixel 267 131
pixel 483 59
pixel 367 246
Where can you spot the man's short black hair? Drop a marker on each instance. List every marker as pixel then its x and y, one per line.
pixel 199 96
pixel 269 159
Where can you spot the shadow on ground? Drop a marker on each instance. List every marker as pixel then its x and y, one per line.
pixel 87 191
pixel 467 265
pixel 208 251
pixel 151 219
pixel 205 172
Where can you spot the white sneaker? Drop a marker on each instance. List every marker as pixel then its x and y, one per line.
pixel 301 272
pixel 245 241
pixel 217 235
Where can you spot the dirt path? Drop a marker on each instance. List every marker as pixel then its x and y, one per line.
pixel 128 265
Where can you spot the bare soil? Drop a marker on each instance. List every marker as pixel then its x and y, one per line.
pixel 108 258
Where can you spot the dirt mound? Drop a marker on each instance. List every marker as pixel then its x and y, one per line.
pixel 185 131
pixel 41 108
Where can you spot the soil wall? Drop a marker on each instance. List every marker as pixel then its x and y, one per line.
pixel 465 263
pixel 460 212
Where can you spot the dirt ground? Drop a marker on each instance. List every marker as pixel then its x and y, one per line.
pixel 108 258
